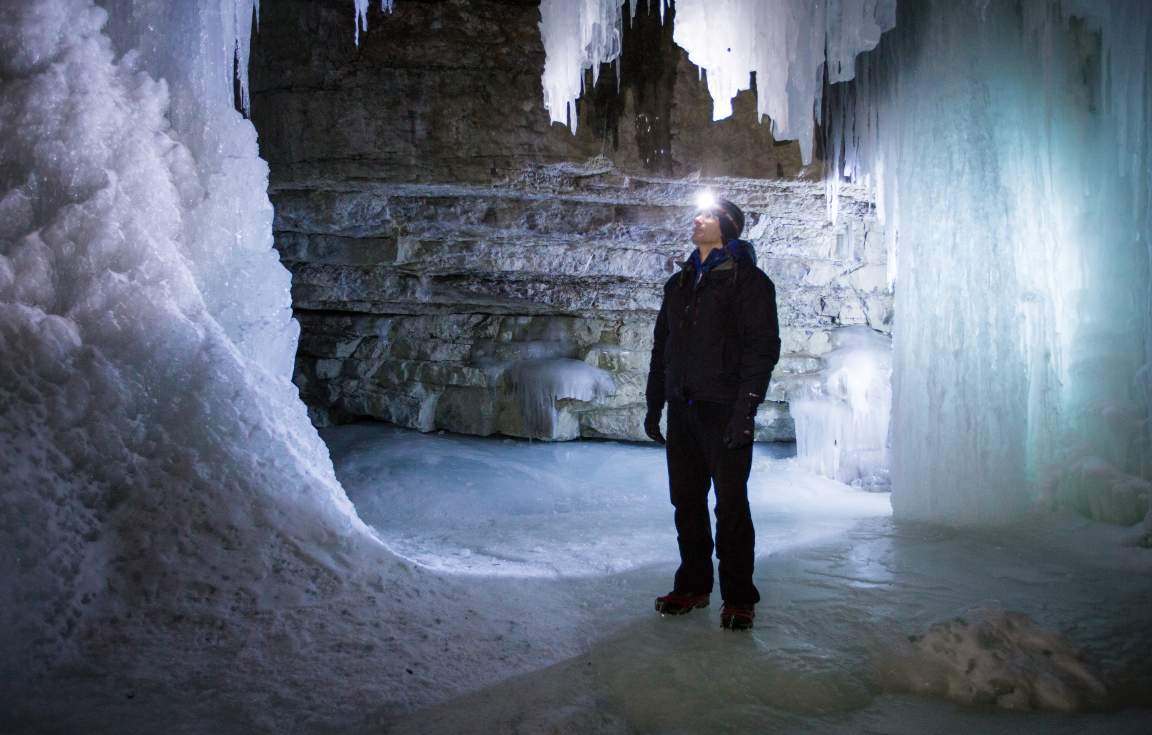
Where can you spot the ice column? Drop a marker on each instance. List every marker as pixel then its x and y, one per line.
pixel 842 413
pixel 227 232
pixel 1008 146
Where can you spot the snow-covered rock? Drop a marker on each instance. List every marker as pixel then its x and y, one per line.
pixel 996 657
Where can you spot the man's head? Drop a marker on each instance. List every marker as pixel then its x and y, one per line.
pixel 717 222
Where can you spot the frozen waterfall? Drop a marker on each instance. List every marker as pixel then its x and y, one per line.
pixel 1013 171
pixel 842 413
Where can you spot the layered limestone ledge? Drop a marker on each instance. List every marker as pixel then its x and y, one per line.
pixel 415 300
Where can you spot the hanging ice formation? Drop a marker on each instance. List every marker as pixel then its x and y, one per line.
pixel 539 383
pixel 842 415
pixel 1008 146
pixel 786 43
pixel 361 16
pixel 577 35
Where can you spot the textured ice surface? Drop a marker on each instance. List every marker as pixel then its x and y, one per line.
pixel 1013 168
pixel 842 419
pixel 509 507
pixel 155 455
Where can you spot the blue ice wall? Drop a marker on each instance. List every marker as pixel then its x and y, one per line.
pixel 1008 145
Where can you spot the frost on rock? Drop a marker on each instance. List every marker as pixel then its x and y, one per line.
pixel 996 657
pixel 539 383
pixel 842 412
pixel 149 433
pixel 1013 172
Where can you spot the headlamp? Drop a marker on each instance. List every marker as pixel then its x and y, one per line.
pixel 706 200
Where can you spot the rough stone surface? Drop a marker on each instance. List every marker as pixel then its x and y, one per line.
pixel 413 298
pixel 439 229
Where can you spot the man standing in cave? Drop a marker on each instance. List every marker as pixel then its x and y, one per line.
pixel 715 345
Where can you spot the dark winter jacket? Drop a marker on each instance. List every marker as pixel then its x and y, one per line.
pixel 718 340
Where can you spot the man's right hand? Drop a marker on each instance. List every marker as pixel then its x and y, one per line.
pixel 652 427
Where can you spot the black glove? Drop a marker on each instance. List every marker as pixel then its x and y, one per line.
pixel 652 425
pixel 741 429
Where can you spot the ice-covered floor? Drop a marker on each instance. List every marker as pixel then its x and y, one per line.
pixel 572 510
pixel 584 531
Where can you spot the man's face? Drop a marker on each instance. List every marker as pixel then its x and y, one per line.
pixel 705 228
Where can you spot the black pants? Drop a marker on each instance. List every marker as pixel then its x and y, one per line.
pixel 698 459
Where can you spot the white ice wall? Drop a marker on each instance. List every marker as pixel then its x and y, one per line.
pixel 226 234
pixel 150 437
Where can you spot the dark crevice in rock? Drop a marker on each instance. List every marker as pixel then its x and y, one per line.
pixel 647 79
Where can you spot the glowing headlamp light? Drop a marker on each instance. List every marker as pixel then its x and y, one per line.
pixel 705 200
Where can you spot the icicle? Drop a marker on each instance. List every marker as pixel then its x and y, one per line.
pixel 361 19
pixel 244 13
pixel 577 35
pixel 784 43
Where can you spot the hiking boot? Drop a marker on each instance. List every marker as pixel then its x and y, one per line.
pixel 678 603
pixel 735 616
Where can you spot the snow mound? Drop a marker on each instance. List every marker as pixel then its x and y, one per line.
pixel 997 657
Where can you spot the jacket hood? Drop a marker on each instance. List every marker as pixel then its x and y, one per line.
pixel 741 250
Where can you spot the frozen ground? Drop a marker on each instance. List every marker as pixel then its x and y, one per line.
pixel 586 529
pixel 523 604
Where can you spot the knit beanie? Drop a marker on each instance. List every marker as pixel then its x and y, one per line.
pixel 731 219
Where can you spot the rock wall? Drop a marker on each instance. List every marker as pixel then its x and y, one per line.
pixel 444 238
